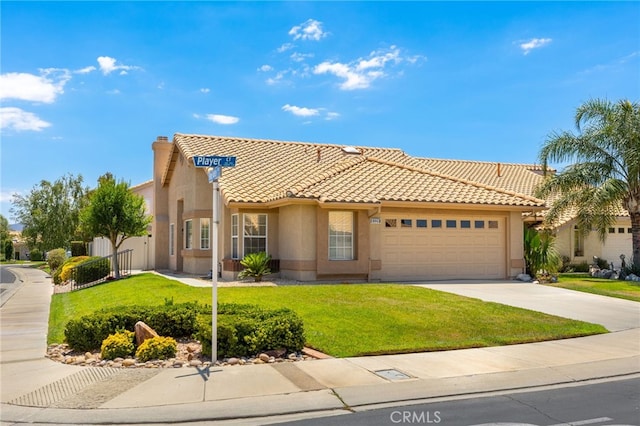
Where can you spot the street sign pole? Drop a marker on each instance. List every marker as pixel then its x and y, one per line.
pixel 214 165
pixel 214 273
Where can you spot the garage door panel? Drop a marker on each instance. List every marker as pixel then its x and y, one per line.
pixel 444 253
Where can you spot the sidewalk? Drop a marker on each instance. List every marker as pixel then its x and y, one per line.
pixel 37 390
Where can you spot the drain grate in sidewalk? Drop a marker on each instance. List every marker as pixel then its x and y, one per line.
pixel 392 374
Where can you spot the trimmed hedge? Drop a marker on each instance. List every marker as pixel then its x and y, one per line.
pixel 245 330
pixel 157 348
pixel 88 332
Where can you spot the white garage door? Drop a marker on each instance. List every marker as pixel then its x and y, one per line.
pixel 618 242
pixel 443 247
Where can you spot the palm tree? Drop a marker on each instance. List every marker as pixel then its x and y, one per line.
pixel 604 172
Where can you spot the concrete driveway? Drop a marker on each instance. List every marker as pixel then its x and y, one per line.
pixel 614 314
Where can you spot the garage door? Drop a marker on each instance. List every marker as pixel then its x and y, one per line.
pixel 618 242
pixel 443 247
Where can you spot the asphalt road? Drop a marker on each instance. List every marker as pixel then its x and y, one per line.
pixel 605 403
pixel 9 283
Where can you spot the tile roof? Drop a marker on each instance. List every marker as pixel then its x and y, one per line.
pixel 270 170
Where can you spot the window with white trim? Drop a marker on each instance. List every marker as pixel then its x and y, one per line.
pixel 234 237
pixel 340 235
pixel 188 234
pixel 205 233
pixel 578 242
pixel 255 233
pixel 172 233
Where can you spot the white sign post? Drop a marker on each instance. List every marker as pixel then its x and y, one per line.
pixel 214 165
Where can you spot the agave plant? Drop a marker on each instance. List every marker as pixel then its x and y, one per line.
pixel 256 265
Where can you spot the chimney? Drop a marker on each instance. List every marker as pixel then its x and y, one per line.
pixel 498 170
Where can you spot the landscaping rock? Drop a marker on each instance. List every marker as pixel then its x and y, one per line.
pixel 143 332
pixel 632 277
pixel 263 357
pixel 524 277
pixel 233 361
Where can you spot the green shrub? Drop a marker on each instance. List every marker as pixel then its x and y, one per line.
pixel 256 265
pixel 92 269
pixel 88 332
pixel 245 330
pixel 580 267
pixel 55 258
pixel 118 345
pixel 78 248
pixel 157 348
pixel 35 255
pixel 603 263
pixel 68 265
pixel 7 249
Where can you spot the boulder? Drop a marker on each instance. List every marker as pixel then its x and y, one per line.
pixel 632 277
pixel 524 277
pixel 143 332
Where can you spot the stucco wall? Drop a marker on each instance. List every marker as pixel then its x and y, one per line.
pixel 297 239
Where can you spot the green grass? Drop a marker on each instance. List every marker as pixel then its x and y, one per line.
pixel 614 288
pixel 347 320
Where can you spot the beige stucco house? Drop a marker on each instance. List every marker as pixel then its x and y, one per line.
pixel 330 212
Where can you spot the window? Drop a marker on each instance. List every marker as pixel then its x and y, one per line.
pixel 478 224
pixel 493 224
pixel 188 234
pixel 465 224
pixel 406 223
pixel 629 231
pixel 612 230
pixel 436 223
pixel 620 230
pixel 234 236
pixel 204 233
pixel 578 242
pixel 451 224
pixel 341 235
pixel 390 223
pixel 255 233
pixel 421 223
pixel 172 231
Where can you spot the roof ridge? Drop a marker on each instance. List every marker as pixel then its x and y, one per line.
pixel 532 165
pixel 335 170
pixel 288 142
pixel 456 179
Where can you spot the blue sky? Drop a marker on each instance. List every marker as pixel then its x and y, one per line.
pixel 86 87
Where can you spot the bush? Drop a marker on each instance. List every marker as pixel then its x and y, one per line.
pixel 35 255
pixel 602 263
pixel 55 258
pixel 118 345
pixel 580 267
pixel 69 264
pixel 7 249
pixel 88 332
pixel 245 330
pixel 78 248
pixel 256 265
pixel 157 348
pixel 92 269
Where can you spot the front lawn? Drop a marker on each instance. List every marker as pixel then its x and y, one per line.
pixel 346 320
pixel 614 288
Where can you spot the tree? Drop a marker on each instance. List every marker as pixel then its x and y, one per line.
pixel 604 174
pixel 116 213
pixel 50 212
pixel 4 229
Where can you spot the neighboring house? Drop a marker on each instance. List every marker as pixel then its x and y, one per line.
pixel 143 256
pixel 581 248
pixel 330 212
pixel 20 247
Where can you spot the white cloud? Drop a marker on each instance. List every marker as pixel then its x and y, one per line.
pixel 108 65
pixel 222 119
pixel 85 70
pixel 309 30
pixel 359 74
pixel 20 120
pixel 205 90
pixel 301 111
pixel 332 116
pixel 534 43
pixel 265 68
pixel 35 88
pixel 285 47
pixel 300 57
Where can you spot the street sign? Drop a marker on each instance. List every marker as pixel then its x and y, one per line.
pixel 214 173
pixel 213 161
